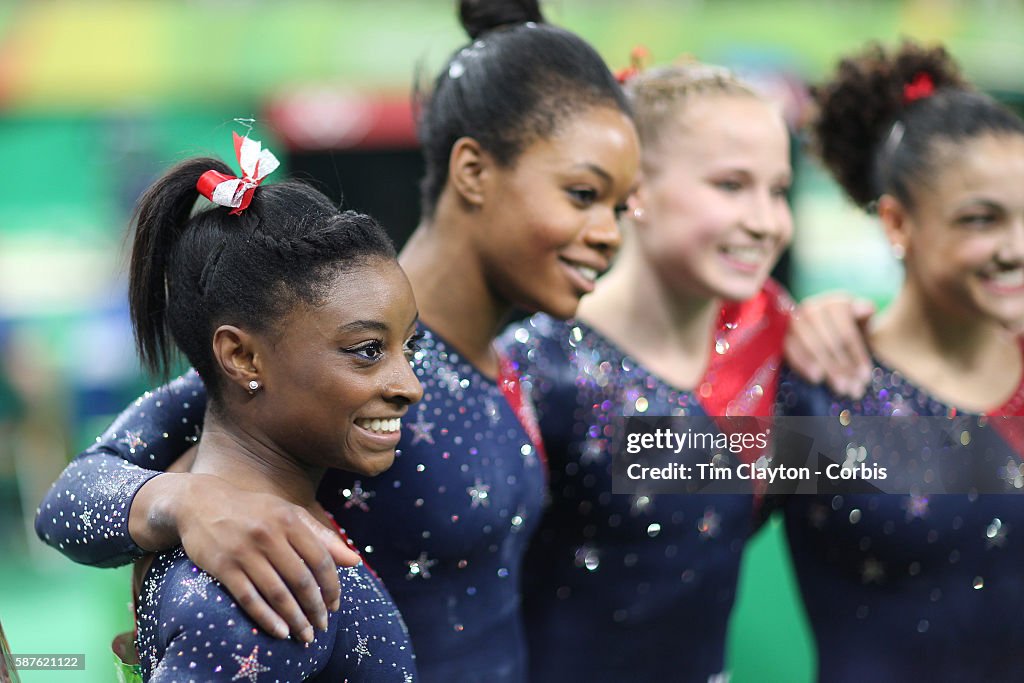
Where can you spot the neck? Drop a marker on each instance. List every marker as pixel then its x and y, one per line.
pixel 913 325
pixel 452 292
pixel 668 332
pixel 246 457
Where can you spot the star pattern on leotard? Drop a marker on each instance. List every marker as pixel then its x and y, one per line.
pixel 478 494
pixel 420 566
pixel 449 378
pixel 86 516
pixel 133 440
pixel 361 649
pixel 195 586
pixel 421 430
pixel 356 497
pixel 250 666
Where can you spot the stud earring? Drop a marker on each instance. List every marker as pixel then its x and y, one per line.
pixel 899 251
pixel 254 386
pixel 638 213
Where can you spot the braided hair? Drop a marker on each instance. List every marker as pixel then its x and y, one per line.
pixel 659 95
pixel 192 271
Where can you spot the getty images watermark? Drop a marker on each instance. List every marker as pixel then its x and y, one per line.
pixel 797 455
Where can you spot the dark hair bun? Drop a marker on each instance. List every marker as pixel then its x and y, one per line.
pixel 480 16
pixel 863 99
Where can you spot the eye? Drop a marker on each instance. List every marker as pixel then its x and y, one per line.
pixel 977 221
pixel 583 196
pixel 621 209
pixel 781 191
pixel 371 350
pixel 728 185
pixel 412 345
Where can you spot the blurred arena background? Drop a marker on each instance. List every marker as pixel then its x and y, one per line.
pixel 97 97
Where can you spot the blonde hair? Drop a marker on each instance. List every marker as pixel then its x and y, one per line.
pixel 659 95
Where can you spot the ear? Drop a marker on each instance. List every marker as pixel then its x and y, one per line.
pixel 636 205
pixel 236 353
pixel 468 164
pixel 897 223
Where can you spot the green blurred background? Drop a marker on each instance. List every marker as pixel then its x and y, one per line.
pixel 97 97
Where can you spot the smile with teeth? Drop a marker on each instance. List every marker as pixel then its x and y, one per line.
pixel 387 425
pixel 748 255
pixel 586 272
pixel 1007 278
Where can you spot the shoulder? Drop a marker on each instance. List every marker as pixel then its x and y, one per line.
pixel 539 345
pixel 371 632
pixel 181 606
pixel 797 397
pixel 184 390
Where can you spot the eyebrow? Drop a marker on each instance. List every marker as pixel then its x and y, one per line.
pixel 597 170
pixel 363 326
pixel 976 202
pixel 371 325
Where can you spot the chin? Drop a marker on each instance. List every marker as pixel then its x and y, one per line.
pixel 562 307
pixel 736 291
pixel 1012 320
pixel 371 465
pixel 563 312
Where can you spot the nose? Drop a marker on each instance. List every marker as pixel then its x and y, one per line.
pixel 1011 251
pixel 402 385
pixel 603 234
pixel 766 215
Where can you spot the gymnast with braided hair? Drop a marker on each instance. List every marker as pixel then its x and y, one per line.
pixel 300 322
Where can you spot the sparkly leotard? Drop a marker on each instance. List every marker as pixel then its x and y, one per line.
pixel 622 587
pixel 907 587
pixel 190 629
pixel 445 528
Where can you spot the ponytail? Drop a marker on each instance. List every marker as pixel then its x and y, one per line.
pixel 161 218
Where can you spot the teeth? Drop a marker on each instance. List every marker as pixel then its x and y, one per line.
pixel 751 255
pixel 380 425
pixel 588 273
pixel 1008 278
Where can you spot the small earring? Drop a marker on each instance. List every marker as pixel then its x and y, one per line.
pixel 899 251
pixel 254 386
pixel 638 213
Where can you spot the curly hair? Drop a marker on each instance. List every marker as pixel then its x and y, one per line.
pixel 874 141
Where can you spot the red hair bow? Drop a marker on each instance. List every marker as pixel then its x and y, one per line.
pixel 921 87
pixel 638 57
pixel 256 164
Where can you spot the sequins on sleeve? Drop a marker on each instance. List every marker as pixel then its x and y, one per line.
pixel 190 629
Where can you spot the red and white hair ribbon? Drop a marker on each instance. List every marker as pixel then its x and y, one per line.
pixel 256 164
